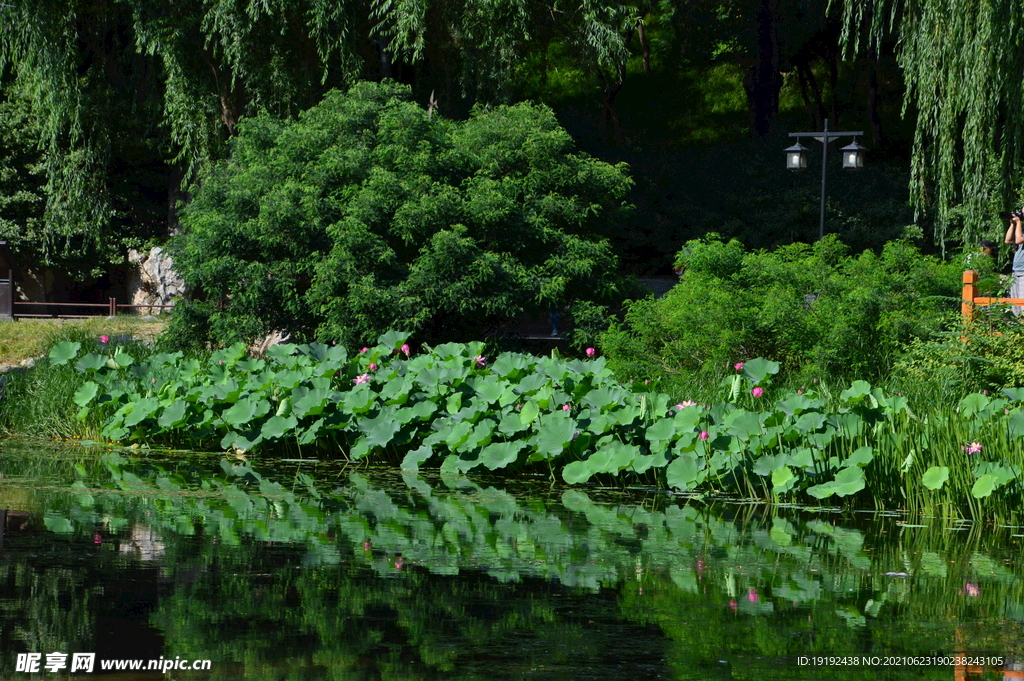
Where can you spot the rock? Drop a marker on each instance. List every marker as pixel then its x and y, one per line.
pixel 28 363
pixel 155 282
pixel 272 338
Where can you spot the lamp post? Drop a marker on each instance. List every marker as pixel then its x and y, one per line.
pixel 853 159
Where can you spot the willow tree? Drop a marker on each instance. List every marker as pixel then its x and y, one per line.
pixel 962 67
pixel 123 89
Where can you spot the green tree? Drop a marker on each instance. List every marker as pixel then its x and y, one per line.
pixel 128 98
pixel 811 308
pixel 369 213
pixel 968 141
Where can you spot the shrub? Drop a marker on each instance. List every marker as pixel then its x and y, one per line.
pixel 812 308
pixel 367 213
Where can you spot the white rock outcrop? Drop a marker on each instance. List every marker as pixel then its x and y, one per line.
pixel 154 282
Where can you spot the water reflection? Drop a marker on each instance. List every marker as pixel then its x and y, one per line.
pixel 303 570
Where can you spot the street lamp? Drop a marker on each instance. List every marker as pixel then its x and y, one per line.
pixel 853 159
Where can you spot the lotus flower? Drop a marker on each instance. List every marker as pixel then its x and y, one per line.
pixel 104 339
pixel 481 361
pixel 363 350
pixel 738 366
pixel 373 366
pixel 362 378
pixel 590 352
pixel 405 349
pixel 752 595
pixel 704 435
pixel 973 448
pixel 971 590
pixel 757 392
pixel 566 407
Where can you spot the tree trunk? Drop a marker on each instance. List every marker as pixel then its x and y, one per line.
pixel 873 116
pixel 764 81
pixel 608 114
pixel 645 48
pixel 385 57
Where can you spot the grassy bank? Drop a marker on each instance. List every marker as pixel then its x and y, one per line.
pixel 27 338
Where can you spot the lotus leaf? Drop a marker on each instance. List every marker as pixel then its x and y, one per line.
pixel 500 454
pixel 86 393
pixel 935 477
pixel 984 486
pixel 63 351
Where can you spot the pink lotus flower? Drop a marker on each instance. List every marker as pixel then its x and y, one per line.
pixel 732 604
pixel 757 392
pixel 590 352
pixel 405 349
pixel 566 407
pixel 367 546
pixel 481 361
pixel 373 366
pixel 686 403
pixel 363 350
pixel 704 435
pixel 971 590
pixel 362 378
pixel 799 392
pixel 738 366
pixel 973 448
pixel 104 339
pixel 752 595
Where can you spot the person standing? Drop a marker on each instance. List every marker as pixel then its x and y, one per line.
pixel 1015 236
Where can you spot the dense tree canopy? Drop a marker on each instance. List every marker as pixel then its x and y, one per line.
pixel 368 213
pixel 120 102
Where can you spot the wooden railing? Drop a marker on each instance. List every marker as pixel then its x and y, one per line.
pixel 971 299
pixel 108 308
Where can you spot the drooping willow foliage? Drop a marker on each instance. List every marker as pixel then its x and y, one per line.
pixel 964 70
pixel 112 83
pixel 130 86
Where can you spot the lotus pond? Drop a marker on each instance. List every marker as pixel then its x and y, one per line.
pixel 294 569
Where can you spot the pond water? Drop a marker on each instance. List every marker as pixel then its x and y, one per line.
pixel 310 570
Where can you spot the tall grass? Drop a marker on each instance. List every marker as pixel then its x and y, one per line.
pixel 38 402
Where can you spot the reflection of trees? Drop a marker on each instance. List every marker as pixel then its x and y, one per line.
pixel 348 623
pixel 382 578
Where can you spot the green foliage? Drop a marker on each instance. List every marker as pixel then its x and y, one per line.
pixel 41 401
pixel 967 146
pixel 368 213
pixel 813 308
pixel 451 408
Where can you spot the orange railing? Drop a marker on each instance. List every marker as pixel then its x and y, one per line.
pixel 970 298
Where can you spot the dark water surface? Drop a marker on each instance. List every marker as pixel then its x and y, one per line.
pixel 310 570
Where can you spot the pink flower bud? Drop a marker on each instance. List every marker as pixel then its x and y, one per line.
pixel 704 435
pixel 405 349
pixel 738 366
pixel 373 366
pixel 104 339
pixel 363 350
pixel 566 407
pixel 590 352
pixel 757 392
